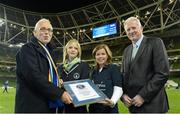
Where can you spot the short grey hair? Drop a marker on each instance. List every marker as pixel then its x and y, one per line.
pixel 132 19
pixel 40 21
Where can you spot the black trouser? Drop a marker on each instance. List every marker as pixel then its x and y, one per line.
pixel 99 108
pixel 5 89
pixel 71 109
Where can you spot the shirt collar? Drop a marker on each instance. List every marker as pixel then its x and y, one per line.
pixel 138 43
pixel 105 67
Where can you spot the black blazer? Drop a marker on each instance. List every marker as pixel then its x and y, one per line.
pixel 33 90
pixel 78 71
pixel 146 75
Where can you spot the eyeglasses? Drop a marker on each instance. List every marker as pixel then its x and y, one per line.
pixel 46 29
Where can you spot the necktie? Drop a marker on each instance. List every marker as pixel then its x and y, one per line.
pixel 135 49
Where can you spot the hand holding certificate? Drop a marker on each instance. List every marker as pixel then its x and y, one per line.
pixel 84 92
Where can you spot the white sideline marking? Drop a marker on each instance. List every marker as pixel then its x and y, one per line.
pixel 8 87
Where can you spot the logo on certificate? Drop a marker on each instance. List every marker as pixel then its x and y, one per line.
pixel 80 86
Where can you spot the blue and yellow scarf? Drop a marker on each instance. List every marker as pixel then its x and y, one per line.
pixel 53 78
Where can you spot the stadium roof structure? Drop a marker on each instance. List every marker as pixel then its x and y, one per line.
pixel 48 6
pixel 16 25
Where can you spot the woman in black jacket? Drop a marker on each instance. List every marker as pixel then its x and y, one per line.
pixel 73 69
pixel 108 78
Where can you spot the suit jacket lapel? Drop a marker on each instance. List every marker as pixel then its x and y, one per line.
pixel 139 52
pixel 130 53
pixel 128 58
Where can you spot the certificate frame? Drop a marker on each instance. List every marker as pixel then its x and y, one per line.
pixel 83 92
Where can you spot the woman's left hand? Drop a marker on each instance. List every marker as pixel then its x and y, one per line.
pixel 107 102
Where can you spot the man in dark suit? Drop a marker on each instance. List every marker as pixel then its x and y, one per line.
pixel 38 89
pixel 145 69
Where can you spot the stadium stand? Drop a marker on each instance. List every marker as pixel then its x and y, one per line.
pixel 159 18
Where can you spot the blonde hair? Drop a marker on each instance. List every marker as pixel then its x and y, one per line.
pixel 132 19
pixel 106 48
pixel 40 21
pixel 67 45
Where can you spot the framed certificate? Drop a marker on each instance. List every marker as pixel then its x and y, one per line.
pixel 83 92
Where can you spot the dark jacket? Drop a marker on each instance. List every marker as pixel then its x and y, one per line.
pixel 33 90
pixel 146 75
pixel 105 80
pixel 77 72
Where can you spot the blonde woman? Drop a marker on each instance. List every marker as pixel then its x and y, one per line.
pixel 108 78
pixel 73 69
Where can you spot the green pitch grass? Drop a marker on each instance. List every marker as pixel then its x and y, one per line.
pixel 7 101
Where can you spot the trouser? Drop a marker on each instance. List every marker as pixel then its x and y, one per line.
pixel 5 89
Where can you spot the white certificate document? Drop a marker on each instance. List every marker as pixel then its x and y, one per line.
pixel 83 91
